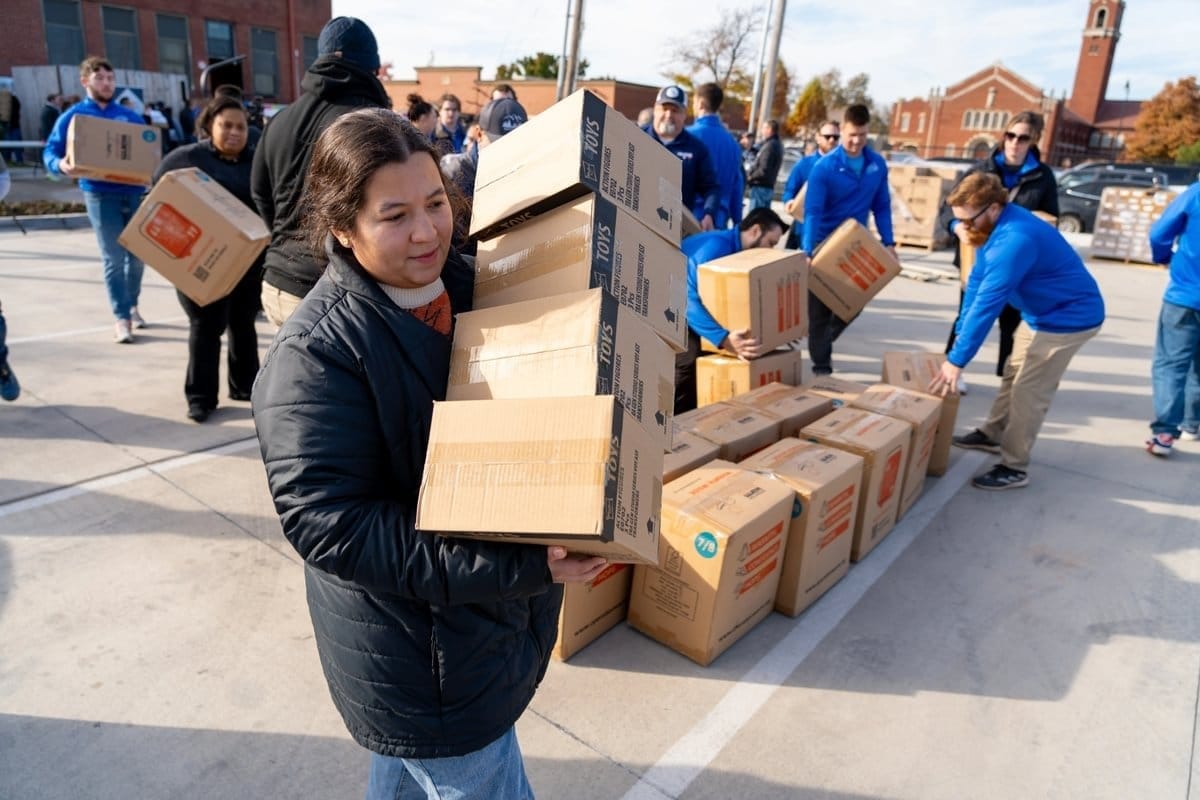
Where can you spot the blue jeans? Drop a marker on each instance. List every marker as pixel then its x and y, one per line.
pixel 1175 375
pixel 495 772
pixel 109 213
pixel 760 197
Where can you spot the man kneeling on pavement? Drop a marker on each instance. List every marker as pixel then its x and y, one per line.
pixel 762 227
pixel 1022 261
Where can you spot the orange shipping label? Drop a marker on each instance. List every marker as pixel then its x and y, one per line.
pixel 761 541
pixel 757 578
pixel 608 572
pixel 831 536
pixel 891 472
pixel 171 231
pixel 758 560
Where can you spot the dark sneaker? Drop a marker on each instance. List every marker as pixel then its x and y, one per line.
pixel 234 394
pixel 198 413
pixel 9 388
pixel 1000 477
pixel 1160 444
pixel 976 440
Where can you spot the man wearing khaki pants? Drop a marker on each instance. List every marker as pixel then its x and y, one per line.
pixel 1022 261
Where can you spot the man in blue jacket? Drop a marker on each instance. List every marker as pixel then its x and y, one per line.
pixel 827 139
pixel 849 183
pixel 761 227
pixel 1022 261
pixel 1175 375
pixel 701 192
pixel 110 206
pixel 725 152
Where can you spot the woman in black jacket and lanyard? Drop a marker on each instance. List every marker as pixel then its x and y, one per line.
pixel 224 157
pixel 432 646
pixel 1032 186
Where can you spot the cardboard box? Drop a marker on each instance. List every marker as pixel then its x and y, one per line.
pixel 196 234
pixel 587 244
pixel 849 268
pixel 113 151
pixel 882 442
pixel 840 391
pixel 827 482
pixel 565 346
pixel 737 430
pixel 794 407
pixel 1123 220
pixel 920 410
pixel 724 536
pixel 795 206
pixel 576 146
pixel 763 289
pixel 688 451
pixel 721 377
pixel 572 471
pixel 914 371
pixel 591 609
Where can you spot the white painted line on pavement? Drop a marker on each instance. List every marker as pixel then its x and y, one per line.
pixel 132 474
pixel 81 331
pixel 694 751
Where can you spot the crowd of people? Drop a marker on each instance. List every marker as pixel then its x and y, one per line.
pixel 433 646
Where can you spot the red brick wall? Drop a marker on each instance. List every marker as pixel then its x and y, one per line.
pixel 22 35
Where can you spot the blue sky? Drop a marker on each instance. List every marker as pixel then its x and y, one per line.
pixel 906 46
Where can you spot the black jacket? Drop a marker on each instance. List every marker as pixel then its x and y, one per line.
pixel 1036 190
pixel 332 87
pixel 431 646
pixel 767 161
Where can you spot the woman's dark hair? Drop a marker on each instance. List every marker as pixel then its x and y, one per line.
pixel 418 107
pixel 221 102
pixel 1033 120
pixel 346 156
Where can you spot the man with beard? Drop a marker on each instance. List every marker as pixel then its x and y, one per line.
pixel 827 139
pixel 1023 261
pixel 110 206
pixel 761 227
pixel 341 80
pixel 701 191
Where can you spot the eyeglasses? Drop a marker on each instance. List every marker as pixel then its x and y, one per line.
pixel 1023 138
pixel 833 137
pixel 970 221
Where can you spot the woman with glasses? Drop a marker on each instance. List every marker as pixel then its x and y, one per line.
pixel 1031 185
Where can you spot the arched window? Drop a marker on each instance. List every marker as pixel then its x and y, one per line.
pixel 967 120
pixel 1101 17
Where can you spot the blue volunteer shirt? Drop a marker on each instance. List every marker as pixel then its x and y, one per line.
pixel 838 192
pixel 56 146
pixel 1180 221
pixel 701 192
pixel 1029 265
pixel 726 155
pixel 700 248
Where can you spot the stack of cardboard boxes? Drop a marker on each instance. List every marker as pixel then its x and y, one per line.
pixel 1123 221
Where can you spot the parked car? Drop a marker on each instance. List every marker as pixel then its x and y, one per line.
pixel 1079 193
pixel 1179 176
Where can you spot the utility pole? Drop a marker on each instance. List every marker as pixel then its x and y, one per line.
pixel 562 55
pixel 575 25
pixel 776 30
pixel 758 72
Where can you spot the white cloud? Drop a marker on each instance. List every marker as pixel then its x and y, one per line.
pixel 906 46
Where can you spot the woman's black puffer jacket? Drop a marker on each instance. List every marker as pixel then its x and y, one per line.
pixel 432 646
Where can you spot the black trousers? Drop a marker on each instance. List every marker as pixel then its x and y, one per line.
pixel 824 328
pixel 1009 318
pixel 685 374
pixel 234 313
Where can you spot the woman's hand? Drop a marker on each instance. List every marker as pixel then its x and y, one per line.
pixel 565 568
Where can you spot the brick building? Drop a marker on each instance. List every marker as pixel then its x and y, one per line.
pixel 534 94
pixel 277 39
pixel 967 119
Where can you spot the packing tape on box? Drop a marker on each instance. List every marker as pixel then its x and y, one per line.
pixel 555 452
pixel 534 262
pixel 557 475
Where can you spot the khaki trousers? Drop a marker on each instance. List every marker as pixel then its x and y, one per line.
pixel 1031 378
pixel 277 304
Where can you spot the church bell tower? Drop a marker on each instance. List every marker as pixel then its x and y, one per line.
pixel 1101 32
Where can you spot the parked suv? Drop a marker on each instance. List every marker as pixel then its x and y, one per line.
pixel 1079 193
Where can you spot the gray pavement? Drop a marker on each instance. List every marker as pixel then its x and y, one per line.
pixel 154 640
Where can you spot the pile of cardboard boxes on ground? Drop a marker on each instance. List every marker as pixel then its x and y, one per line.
pixel 917 196
pixel 1123 220
pixel 558 427
pixel 190 229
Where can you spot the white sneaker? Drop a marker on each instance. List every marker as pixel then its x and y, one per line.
pixel 136 319
pixel 1189 436
pixel 123 334
pixel 962 385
